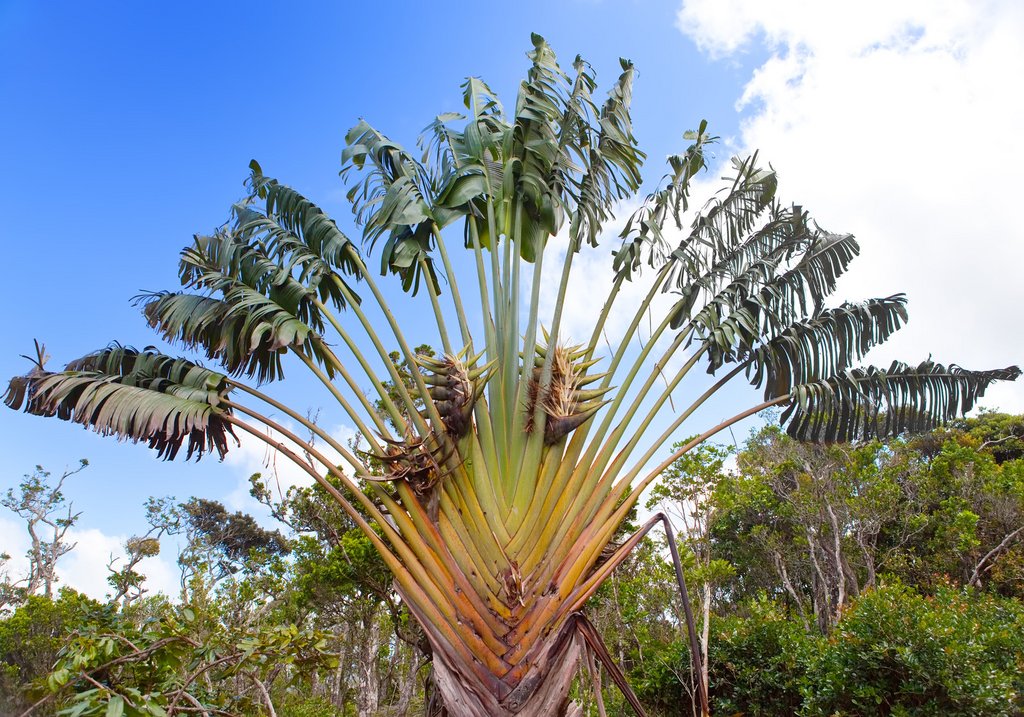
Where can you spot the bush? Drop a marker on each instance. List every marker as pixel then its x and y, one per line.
pixel 30 638
pixel 757 667
pixel 758 664
pixel 896 652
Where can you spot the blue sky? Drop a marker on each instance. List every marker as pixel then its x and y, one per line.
pixel 128 127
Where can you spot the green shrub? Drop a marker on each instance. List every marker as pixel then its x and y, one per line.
pixel 757 667
pixel 316 706
pixel 30 638
pixel 896 652
pixel 758 664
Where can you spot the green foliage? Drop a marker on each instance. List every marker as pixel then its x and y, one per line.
pixel 1002 434
pixel 30 638
pixel 350 570
pixel 897 652
pixel 116 663
pixel 894 652
pixel 757 663
pixel 926 510
pixel 296 705
pixel 232 538
pixel 757 666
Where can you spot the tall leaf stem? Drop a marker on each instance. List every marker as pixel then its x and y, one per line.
pixel 396 378
pixel 582 557
pixel 460 310
pixel 385 396
pixel 442 329
pixel 347 407
pixel 424 564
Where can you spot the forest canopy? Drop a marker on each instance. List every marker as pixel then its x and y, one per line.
pixel 870 579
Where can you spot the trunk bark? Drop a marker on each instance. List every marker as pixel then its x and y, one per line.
pixel 368 697
pixel 705 637
pixel 407 687
pixel 543 691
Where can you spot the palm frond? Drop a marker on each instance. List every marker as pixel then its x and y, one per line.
pixel 744 313
pixel 642 233
pixel 250 310
pixel 613 165
pixel 724 222
pixel 393 199
pixel 300 237
pixel 244 332
pixel 134 395
pixel 536 161
pixel 865 403
pixel 226 262
pixel 750 263
pixel 824 345
pixel 438 156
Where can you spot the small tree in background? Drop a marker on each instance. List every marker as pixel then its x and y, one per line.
pixel 48 518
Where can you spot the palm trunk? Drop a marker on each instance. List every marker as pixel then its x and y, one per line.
pixel 543 691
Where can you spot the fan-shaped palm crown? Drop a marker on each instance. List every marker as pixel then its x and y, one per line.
pixel 517 455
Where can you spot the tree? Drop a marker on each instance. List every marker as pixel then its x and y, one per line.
pixel 31 637
pixel 338 577
pixel 686 492
pixel 817 525
pixel 497 502
pixel 175 660
pixel 48 519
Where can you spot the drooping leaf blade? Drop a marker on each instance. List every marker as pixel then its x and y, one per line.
pixel 136 396
pixel 864 403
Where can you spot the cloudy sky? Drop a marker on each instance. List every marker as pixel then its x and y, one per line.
pixel 128 129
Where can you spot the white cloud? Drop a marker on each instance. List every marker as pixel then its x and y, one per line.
pixel 255 456
pixel 899 122
pixel 14 541
pixel 85 567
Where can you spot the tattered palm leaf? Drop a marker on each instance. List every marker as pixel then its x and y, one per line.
pixel 537 160
pixel 226 261
pixel 392 198
pixel 735 320
pixel 865 403
pixel 724 222
pixel 300 236
pixel 136 396
pixel 751 263
pixel 261 312
pixel 613 167
pixel 642 232
pixel 825 345
pixel 245 332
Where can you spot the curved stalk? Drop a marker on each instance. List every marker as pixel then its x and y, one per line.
pixel 292 414
pixel 416 555
pixel 460 311
pixel 385 397
pixel 340 398
pixel 396 379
